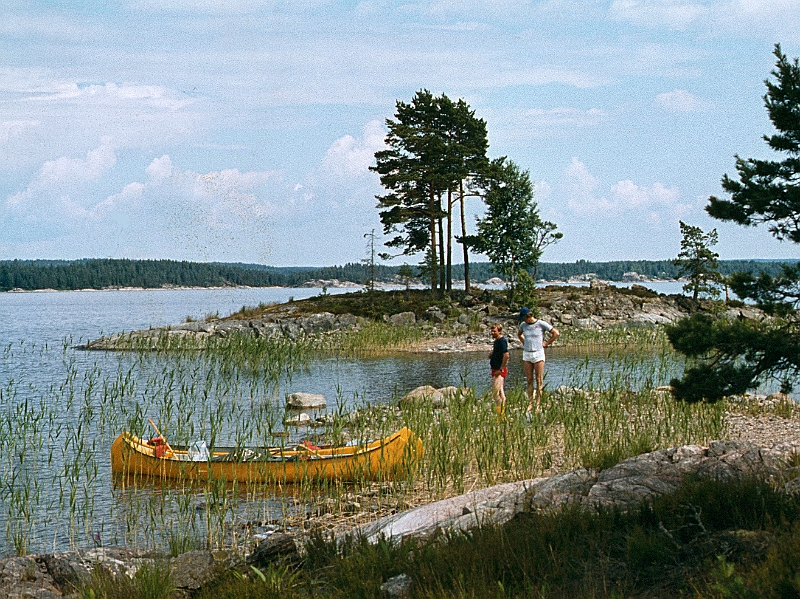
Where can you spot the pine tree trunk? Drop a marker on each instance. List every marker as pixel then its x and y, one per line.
pixel 441 252
pixel 464 234
pixel 433 266
pixel 449 275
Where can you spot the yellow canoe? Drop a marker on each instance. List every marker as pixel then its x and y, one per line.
pixel 383 459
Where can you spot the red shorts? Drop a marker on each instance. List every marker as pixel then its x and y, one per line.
pixel 501 372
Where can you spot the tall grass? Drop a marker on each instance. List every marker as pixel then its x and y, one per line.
pixel 56 490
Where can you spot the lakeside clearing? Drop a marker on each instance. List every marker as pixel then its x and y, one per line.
pixel 611 407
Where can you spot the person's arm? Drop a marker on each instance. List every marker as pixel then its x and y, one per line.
pixel 520 336
pixel 505 361
pixel 554 334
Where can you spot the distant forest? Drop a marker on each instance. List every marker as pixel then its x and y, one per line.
pixel 110 273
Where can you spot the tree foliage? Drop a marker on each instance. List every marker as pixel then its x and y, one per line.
pixel 433 145
pixel 698 261
pixel 732 356
pixel 768 191
pixel 512 233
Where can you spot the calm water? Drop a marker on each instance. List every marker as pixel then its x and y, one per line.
pixel 62 407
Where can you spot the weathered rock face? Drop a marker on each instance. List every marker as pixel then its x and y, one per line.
pixel 603 308
pixel 191 570
pixel 297 419
pixel 48 576
pixel 623 486
pixel 52 576
pixel 200 333
pixel 278 546
pixel 402 318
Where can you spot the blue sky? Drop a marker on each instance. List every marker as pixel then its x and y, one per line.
pixel 242 130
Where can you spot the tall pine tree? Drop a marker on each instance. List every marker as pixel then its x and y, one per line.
pixel 734 356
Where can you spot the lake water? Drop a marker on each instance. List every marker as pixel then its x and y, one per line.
pixel 61 408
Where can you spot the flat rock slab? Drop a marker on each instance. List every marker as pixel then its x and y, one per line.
pixel 463 512
pixel 622 486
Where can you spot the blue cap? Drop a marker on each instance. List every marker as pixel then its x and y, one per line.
pixel 523 313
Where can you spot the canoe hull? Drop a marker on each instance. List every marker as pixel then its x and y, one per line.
pixel 384 459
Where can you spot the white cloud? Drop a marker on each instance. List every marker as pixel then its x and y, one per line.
pixel 77 170
pixel 584 196
pixel 627 195
pixel 680 100
pixel 57 177
pixel 159 169
pixel 525 123
pixel 174 210
pixel 224 7
pixel 542 191
pixel 563 116
pixel 771 20
pixel 675 14
pixel 352 157
pixel 487 9
pixel 581 187
pixel 154 96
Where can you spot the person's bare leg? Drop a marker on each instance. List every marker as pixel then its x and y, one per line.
pixel 498 391
pixel 538 372
pixel 528 366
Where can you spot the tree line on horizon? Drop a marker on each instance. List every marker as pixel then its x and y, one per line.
pixel 104 273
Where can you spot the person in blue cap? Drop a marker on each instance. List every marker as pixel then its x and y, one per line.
pixel 531 333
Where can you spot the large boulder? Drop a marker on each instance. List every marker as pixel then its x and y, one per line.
pixel 424 394
pixel 23 577
pixel 305 401
pixel 452 393
pixel 435 314
pixel 318 323
pixel 193 569
pixel 402 318
pixel 275 548
pixel 622 486
pixel 297 419
pixel 496 504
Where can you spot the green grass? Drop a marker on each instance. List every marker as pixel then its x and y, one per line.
pixel 709 540
pixel 151 581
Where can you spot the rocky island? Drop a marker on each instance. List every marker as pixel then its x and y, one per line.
pixel 454 324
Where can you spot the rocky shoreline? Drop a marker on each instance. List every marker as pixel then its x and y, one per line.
pixel 447 328
pixel 758 442
pixel 623 486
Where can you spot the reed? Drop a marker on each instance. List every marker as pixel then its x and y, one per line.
pixel 56 435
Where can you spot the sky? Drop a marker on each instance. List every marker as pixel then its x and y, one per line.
pixel 243 130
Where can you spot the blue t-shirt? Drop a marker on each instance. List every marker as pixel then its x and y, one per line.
pixel 498 350
pixel 534 334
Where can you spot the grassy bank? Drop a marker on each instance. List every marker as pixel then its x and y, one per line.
pixel 709 540
pixel 226 396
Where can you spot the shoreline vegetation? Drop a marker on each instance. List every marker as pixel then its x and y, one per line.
pixel 594 315
pixel 107 274
pixel 599 419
